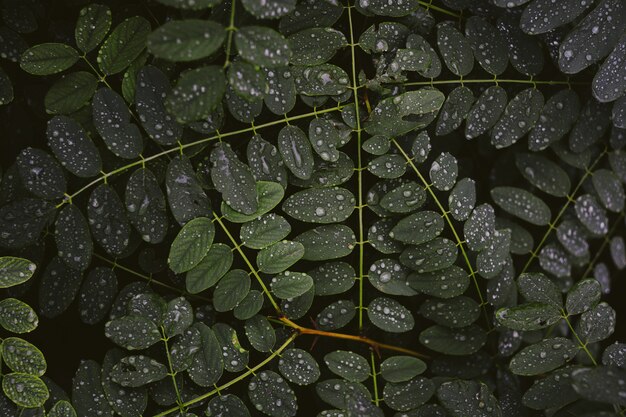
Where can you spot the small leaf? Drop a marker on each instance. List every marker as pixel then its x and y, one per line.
pixel 543 357
pixel 137 371
pixel 539 17
pixel 145 204
pixel 445 283
pixel 48 58
pixel 327 205
pixel 597 324
pixel 132 332
pixel 196 94
pixel 418 228
pixel 25 390
pixel 15 271
pixel 443 171
pixel 21 356
pixel 269 195
pixel 235 356
pixel 315 46
pixel 609 189
pixel 260 333
pixel 536 287
pixel 291 284
pixel 455 50
pixel 249 306
pixel 600 384
pixel 389 277
pixel 262 46
pixel 210 269
pixel 591 214
pixel 553 391
pixel 41 174
pixel 336 315
pixel 191 244
pixel 401 368
pixel 531 316
pixel 295 149
pixel 73 239
pixel 488 45
pixel 70 93
pixel 485 112
pixel 583 296
pixel 522 204
pixel 87 392
pixel 408 395
pixel 543 174
pixel 123 45
pixel 389 315
pixel 468 398
pixel 454 110
pixel 94 22
pixel 208 363
pixel 557 118
pixel 460 341
pixel 299 367
pixel 17 316
pixel 270 394
pixel 186 40
pixel 227 405
pixel 62 409
pixel 279 256
pixel 455 312
pixel 348 365
pixel 97 295
pixel 58 288
pixel 231 290
pixel 178 316
pixel 320 80
pixel 332 278
pixel 518 119
pixel 264 231
pixel 73 147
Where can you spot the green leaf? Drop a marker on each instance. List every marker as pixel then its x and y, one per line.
pixel 62 408
pixel 407 395
pixel 262 46
pixel 272 9
pixel 271 395
pixel 389 8
pixel 462 199
pixel 454 110
pixel 401 368
pixel 227 405
pixel 187 199
pixel 320 80
pixel 111 119
pixel 235 356
pixel 234 180
pixel 332 278
pixel 553 391
pixel 249 306
pixel 210 269
pixel 455 50
pixel 186 40
pixel 279 256
pixel 557 118
pixel 269 194
pixel 455 312
pixel 600 384
pixel 406 198
pixel 58 288
pixel 536 287
pixel 71 92
pixel 418 228
pixel 25 390
pixel 445 283
pixel 295 149
pixel 208 363
pixel 468 398
pixel 265 161
pixel 73 239
pixel 480 227
pixel 324 138
pixel 299 367
pixel 17 316
pixel 191 244
pixel 145 204
pixel 390 277
pixel 336 315
pixel 247 80
pixel 591 214
pixel 584 295
pixel 41 174
pixel 21 356
pixel 190 4
pixel 87 391
pixel 336 392
pixel 348 365
pixel 543 357
pixel 519 117
pixel 539 17
pixel 609 189
pixel 608 82
pixel 397 115
pixel 443 171
pixel 522 204
pixel 387 166
pixel 597 324
pixel 315 46
pixel 137 371
pixel 177 317
pixel 123 45
pixel 260 333
pixel 325 205
pixel 530 316
pixel 15 271
pixel 73 147
pixel 132 332
pixel 485 112
pixel 389 315
pixel 97 295
pixel 264 231
pixel 231 290
pixel 543 174
pixel 94 22
pixel 196 94
pixel 290 284
pixel 460 341
pixel 281 96
pixel 48 58
pixel 488 45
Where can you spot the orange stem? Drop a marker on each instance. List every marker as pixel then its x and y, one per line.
pixel 362 339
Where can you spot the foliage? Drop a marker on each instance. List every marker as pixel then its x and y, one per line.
pixel 436 186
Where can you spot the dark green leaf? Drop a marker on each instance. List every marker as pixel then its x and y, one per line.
pixel 583 296
pixel 543 357
pixel 348 365
pixel 71 92
pixel 597 324
pixel 418 228
pixel 260 333
pixel 401 368
pixel 262 46
pixel 137 371
pixel 231 290
pixel 455 50
pixel 17 316
pixel 72 238
pixel 269 194
pixel 295 149
pixel 107 219
pixel 389 315
pixel 485 112
pixel 536 287
pixel 445 283
pixel 518 119
pixel 543 174
pixel 315 46
pixel 41 174
pixel 73 147
pixel 146 206
pixel 600 384
pixel 94 22
pixel 291 284
pixel 123 45
pixel 208 364
pixel 407 395
pixel 97 294
pixel 235 356
pixel 454 312
pixel 48 58
pixel 531 316
pixel 336 315
pixel 210 269
pixel 468 398
pixel 264 231
pixel 186 40
pixel 191 244
pixel 459 341
pixel 227 405
pixel 111 119
pixel 279 256
pixel 522 204
pixel 132 332
pixel 299 367
pixel 196 94
pixel 87 393
pixel 271 395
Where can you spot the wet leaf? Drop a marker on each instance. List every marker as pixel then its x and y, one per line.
pixel 210 269
pixel 197 93
pixel 191 244
pixel 123 45
pixel 264 231
pixel 107 218
pixel 401 368
pixel 315 46
pixel 290 284
pixel 295 150
pixel 22 356
pixel 111 119
pixel 591 215
pixel 486 111
pixel 445 283
pixel 97 294
pixel 186 40
pixel 132 332
pixel 17 316
pixel 15 271
pixel 488 45
pixel 25 390
pixel 279 256
pixel 556 119
pixel 260 333
pixel 299 367
pixel 262 46
pixel 72 147
pixel 454 110
pixel 455 50
pixel 336 315
pixel 454 312
pixel 408 395
pixel 468 398
pixel 348 365
pixel 137 371
pixel 389 315
pixel 70 93
pixel 418 228
pixel 458 341
pixel 522 204
pixel 518 119
pixel 531 316
pixel 145 205
pixel 270 394
pixel 231 290
pixel 48 58
pixel 41 174
pixel 326 205
pixel 269 195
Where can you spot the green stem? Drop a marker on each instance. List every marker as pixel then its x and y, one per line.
pixel 150 280
pixel 428 5
pixel 359 171
pixel 240 377
pixel 374 378
pixel 578 339
pixel 247 261
pixel 493 80
pixel 181 147
pixel 553 224
pixel 172 374
pixel 446 216
pixel 231 28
